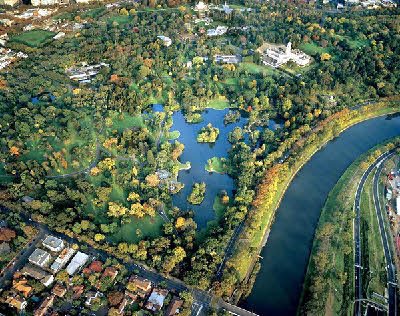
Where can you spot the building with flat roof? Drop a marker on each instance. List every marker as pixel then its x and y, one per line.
pixel 39 257
pixel 16 302
pixel 156 299
pixel 44 307
pixel 53 243
pixel 45 278
pixel 173 307
pixel 62 259
pixel 228 59
pixel 165 39
pixel 202 9
pixel 77 262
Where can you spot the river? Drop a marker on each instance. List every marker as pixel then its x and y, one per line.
pixel 285 257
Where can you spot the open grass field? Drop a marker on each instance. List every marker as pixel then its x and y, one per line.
pixel 138 229
pixel 313 49
pixel 173 135
pixel 374 259
pixel 256 69
pixel 33 38
pixel 120 19
pixel 216 164
pixel 125 121
pixel 218 104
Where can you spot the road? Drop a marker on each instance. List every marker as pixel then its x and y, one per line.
pixel 390 267
pixel 356 225
pixel 202 299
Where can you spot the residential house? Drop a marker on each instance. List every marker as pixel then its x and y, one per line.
pixel 202 9
pixel 39 257
pixel 173 307
pixel 77 291
pixel 166 40
pixel 110 273
pixel 10 3
pixel 156 299
pixel 7 234
pixel 53 243
pixel 16 302
pixel 143 286
pixel 44 307
pixel 62 259
pixel 95 267
pixel 77 262
pixel 228 59
pixel 45 278
pixel 59 290
pixel 220 30
pixel 23 287
pixel 90 296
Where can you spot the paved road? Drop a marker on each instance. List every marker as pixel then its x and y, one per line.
pixel 202 299
pixel 390 267
pixel 356 225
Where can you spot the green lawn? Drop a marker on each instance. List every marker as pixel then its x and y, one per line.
pixel 34 38
pixel 147 227
pixel 120 19
pixel 216 164
pixel 256 69
pixel 173 135
pixel 126 121
pixel 218 104
pixel 313 49
pixel 373 258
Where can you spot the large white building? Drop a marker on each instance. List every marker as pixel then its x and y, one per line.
pixel 77 262
pixel 278 55
pixel 62 259
pixel 39 257
pixel 53 243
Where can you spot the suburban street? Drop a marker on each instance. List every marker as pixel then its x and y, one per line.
pixel 202 299
pixel 357 242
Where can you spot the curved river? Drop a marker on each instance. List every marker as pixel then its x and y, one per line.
pixel 279 283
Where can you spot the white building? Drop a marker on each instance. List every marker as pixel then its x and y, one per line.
pixel 77 262
pixel 278 55
pixel 220 30
pixel 45 278
pixel 228 59
pixel 202 9
pixel 166 40
pixel 53 243
pixel 398 205
pixel 39 257
pixel 62 259
pixel 156 299
pixel 10 3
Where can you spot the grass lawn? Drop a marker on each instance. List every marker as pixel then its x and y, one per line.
pixel 218 104
pixel 173 135
pixel 216 164
pixel 146 227
pixel 120 19
pixel 313 49
pixel 126 121
pixel 373 258
pixel 34 38
pixel 256 69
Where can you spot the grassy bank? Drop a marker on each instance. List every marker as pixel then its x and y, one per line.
pixel 278 177
pixel 329 282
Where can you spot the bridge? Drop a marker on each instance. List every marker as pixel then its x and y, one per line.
pixel 235 310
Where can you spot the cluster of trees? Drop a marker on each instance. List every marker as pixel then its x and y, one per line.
pixel 197 194
pixel 208 134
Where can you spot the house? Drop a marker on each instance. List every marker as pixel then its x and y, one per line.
pixel 202 9
pixel 156 299
pixel 220 30
pixel 277 55
pixel 110 273
pixel 44 307
pixel 16 302
pixel 59 290
pixel 228 59
pixel 53 243
pixel 23 287
pixel 6 234
pixel 10 3
pixel 95 267
pixel 38 274
pixel 173 307
pixel 77 262
pixel 62 259
pixel 39 257
pixel 122 306
pixel 142 285
pixel 91 296
pixel 166 40
pixel 77 291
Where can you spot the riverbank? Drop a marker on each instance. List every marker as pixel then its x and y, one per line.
pixel 278 177
pixel 329 281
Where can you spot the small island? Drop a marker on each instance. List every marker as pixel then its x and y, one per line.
pixel 216 164
pixel 231 117
pixel 208 134
pixel 197 194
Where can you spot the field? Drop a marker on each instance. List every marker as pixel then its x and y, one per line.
pixel 120 19
pixel 373 256
pixel 34 38
pixel 216 164
pixel 218 104
pixel 313 49
pixel 256 69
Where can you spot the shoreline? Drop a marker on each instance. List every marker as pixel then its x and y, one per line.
pixel 387 106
